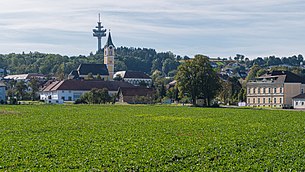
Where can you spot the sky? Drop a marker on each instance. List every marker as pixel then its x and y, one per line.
pixel 222 28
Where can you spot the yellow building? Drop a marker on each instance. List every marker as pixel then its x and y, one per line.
pixel 274 89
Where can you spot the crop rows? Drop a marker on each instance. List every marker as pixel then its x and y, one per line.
pixel 149 138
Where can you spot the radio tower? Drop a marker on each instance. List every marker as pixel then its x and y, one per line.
pixel 99 32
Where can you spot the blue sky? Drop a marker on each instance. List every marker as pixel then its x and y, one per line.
pixel 220 28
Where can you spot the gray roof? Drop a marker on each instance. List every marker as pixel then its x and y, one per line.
pixel 301 96
pixel 95 69
pixel 133 74
pixel 109 41
pixel 282 77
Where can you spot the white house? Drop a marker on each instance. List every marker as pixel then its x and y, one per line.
pixel 299 101
pixel 71 90
pixel 133 77
pixel 2 92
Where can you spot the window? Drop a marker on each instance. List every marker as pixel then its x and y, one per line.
pixel 269 100
pixel 253 90
pixel 281 100
pixel 281 90
pixel 253 100
pixel 248 90
pixel 274 101
pixel 264 100
pixel 296 103
pixel 259 90
pixel 69 98
pixel 274 90
pixel 302 103
pixel 302 91
pixel 248 100
pixel 269 90
pixel 259 100
pixel 264 90
pixel 63 98
pixel 63 91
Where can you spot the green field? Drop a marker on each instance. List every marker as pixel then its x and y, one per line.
pixel 149 138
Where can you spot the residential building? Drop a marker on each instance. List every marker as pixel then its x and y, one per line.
pixel 134 77
pixel 136 95
pixel 274 89
pixel 71 90
pixel 299 101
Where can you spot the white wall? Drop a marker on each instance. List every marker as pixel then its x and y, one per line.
pixel 66 95
pixel 299 103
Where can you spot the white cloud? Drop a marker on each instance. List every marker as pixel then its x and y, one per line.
pixel 215 28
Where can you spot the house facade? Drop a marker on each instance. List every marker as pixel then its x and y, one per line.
pixel 136 95
pixel 299 102
pixel 71 90
pixel 275 89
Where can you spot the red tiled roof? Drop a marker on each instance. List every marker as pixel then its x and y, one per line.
pixel 86 85
pixel 137 91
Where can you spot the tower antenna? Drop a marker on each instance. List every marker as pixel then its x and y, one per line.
pixel 99 32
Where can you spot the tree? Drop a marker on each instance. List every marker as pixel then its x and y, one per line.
pixel 252 73
pixel 34 88
pixel 169 65
pixel 118 78
pixel 20 90
pixel 96 96
pixel 197 79
pixel 90 76
pixel 230 91
pixel 98 77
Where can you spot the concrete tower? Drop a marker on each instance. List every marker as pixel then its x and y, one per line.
pixel 99 32
pixel 109 55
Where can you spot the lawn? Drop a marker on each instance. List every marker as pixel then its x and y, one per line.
pixel 149 138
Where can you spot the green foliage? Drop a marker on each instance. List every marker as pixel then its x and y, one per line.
pixel 198 79
pixel 230 92
pixel 21 90
pixel 96 96
pixel 136 59
pixel 118 78
pixel 253 73
pixel 149 138
pixel 34 85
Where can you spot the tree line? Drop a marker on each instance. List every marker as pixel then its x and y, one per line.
pixel 136 59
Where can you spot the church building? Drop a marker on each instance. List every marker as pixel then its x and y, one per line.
pixel 105 71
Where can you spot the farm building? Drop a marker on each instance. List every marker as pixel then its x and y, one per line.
pixel 136 95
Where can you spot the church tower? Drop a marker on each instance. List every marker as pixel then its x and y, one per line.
pixel 109 54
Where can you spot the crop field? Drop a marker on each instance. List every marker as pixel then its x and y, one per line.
pixel 149 138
